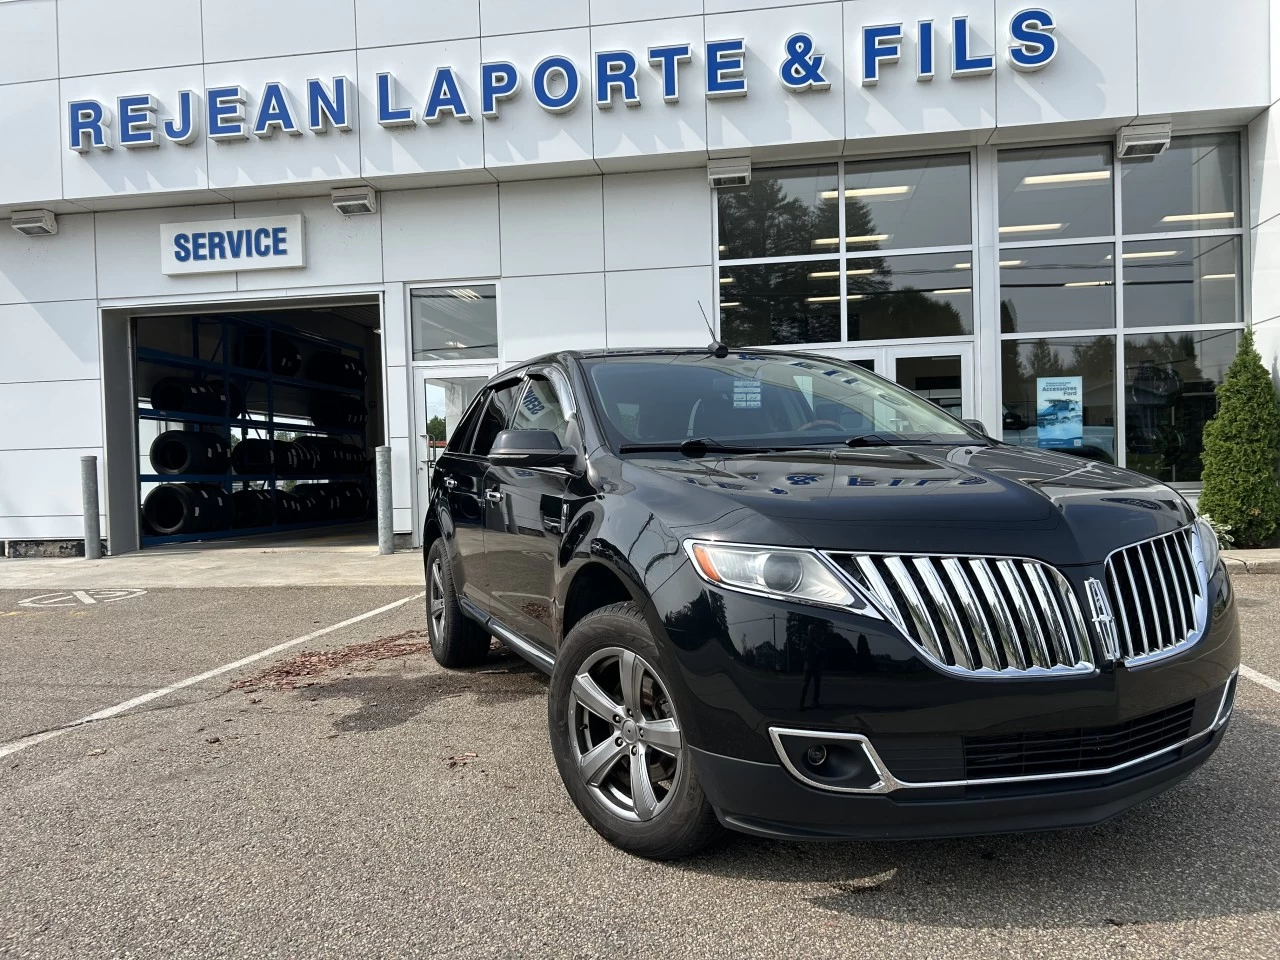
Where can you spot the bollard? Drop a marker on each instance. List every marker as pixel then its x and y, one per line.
pixel 386 522
pixel 89 498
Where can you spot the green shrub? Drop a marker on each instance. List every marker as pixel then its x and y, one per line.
pixel 1241 485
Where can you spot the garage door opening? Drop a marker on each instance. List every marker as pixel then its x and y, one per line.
pixel 257 423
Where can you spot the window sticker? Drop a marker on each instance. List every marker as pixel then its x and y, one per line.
pixel 746 394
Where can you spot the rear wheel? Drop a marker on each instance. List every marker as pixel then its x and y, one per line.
pixel 456 640
pixel 618 741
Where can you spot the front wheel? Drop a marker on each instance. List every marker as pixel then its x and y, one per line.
pixel 618 741
pixel 456 641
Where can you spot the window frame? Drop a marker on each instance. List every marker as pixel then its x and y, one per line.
pixel 516 380
pixel 1118 239
pixel 412 287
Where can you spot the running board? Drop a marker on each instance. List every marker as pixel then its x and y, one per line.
pixel 518 644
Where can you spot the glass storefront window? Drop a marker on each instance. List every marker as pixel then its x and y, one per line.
pixel 455 323
pixel 780 303
pixel 1046 289
pixel 1169 384
pixel 1051 193
pixel 786 212
pixel 898 204
pixel 1184 280
pixel 926 295
pixel 1194 185
pixel 1045 406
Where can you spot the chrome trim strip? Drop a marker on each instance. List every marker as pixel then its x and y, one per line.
pixel 522 646
pixel 1224 709
pixel 1137 607
pixel 881 590
pixel 1032 630
pixel 888 783
pixel 1005 624
pixel 947 612
pixel 1062 648
pixel 983 637
pixel 916 607
pixel 1200 600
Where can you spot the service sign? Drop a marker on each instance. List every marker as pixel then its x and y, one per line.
pixel 222 246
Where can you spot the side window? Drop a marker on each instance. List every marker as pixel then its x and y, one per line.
pixel 461 438
pixel 496 416
pixel 540 409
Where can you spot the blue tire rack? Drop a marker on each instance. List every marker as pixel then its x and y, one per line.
pixel 218 365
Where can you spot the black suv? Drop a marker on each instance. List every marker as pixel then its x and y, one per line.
pixel 777 593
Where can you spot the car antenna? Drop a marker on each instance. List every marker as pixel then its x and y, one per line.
pixel 715 347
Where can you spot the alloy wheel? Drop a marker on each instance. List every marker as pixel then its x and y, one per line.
pixel 435 601
pixel 626 739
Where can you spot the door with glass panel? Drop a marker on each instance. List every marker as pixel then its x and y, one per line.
pixel 941 373
pixel 441 397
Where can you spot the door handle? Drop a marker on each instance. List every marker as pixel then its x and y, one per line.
pixel 494 496
pixel 450 483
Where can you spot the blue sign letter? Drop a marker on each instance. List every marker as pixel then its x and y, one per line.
pixel 1034 44
pixel 274 113
pixel 138 121
pixel 389 115
pixel 965 65
pixel 616 69
pixel 882 44
pixel 801 71
pixel 186 128
pixel 498 81
pixel 89 125
pixel 226 113
pixel 445 97
pixel 925 68
pixel 726 68
pixel 324 111
pixel 667 59
pixel 541 84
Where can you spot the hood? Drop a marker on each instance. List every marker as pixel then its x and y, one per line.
pixel 982 500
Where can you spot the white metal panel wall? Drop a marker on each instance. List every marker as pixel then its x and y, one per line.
pixel 36 58
pixel 50 392
pixel 1264 216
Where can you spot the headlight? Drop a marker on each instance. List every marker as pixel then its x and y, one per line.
pixel 777 572
pixel 1209 544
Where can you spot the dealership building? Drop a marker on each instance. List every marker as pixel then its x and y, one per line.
pixel 324 224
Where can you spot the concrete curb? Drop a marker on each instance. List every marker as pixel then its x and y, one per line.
pixel 1250 565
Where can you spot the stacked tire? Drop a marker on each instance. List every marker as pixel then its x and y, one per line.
pixel 187 508
pixel 338 411
pixel 210 398
pixel 273 353
pixel 177 452
pixel 337 369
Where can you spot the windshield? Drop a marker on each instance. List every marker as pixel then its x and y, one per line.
pixel 758 399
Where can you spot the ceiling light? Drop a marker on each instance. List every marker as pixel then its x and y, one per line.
pixel 857 296
pixel 954 290
pixel 725 281
pixel 1012 263
pixel 868 193
pixel 1218 276
pixel 829 274
pixel 963 266
pixel 1089 283
pixel 1192 217
pixel 1033 228
pixel 354 201
pixel 35 223
pixel 874 238
pixel 1146 255
pixel 723 248
pixel 822 299
pixel 730 304
pixel 1055 179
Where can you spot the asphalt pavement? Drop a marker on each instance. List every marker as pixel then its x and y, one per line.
pixel 363 802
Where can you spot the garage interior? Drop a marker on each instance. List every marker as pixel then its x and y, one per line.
pixel 253 422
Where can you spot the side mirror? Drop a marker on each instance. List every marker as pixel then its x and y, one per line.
pixel 977 425
pixel 530 448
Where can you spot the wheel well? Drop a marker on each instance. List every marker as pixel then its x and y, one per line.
pixel 593 587
pixel 430 534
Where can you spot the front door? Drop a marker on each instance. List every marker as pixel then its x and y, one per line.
pixel 942 374
pixel 441 396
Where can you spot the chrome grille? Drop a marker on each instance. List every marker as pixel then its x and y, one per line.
pixel 979 614
pixel 1156 594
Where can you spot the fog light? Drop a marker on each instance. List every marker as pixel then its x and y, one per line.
pixel 816 755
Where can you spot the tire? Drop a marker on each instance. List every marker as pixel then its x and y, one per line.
pixel 185 508
pixel 176 452
pixel 673 818
pixel 456 640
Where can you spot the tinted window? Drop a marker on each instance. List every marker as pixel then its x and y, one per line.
pixel 496 416
pixel 540 409
pixel 897 204
pixel 1048 193
pixel 755 399
pixel 1194 185
pixel 1181 280
pixel 913 296
pixel 1057 288
pixel 460 439
pixel 455 323
pixel 788 212
pixel 1035 373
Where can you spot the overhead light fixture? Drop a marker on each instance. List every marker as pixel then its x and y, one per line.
pixel 35 223
pixel 963 266
pixel 822 299
pixel 733 303
pixel 723 248
pixel 1143 140
pixel 1060 179
pixel 857 296
pixel 735 172
pixel 1033 228
pixel 1218 276
pixel 1089 283
pixel 1193 217
pixel 725 281
pixel 465 293
pixel 874 238
pixel 953 290
pixel 354 201
pixel 1146 254
pixel 1012 263
pixel 831 274
pixel 865 193
pixel 867 272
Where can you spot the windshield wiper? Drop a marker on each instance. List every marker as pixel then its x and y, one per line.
pixel 874 440
pixel 693 448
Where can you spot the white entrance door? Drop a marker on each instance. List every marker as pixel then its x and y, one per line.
pixel 941 373
pixel 441 396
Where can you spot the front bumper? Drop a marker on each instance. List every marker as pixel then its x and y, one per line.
pixel 765 800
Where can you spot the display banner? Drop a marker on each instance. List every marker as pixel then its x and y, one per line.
pixel 1060 412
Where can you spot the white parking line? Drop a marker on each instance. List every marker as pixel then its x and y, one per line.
pixel 145 698
pixel 1271 683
